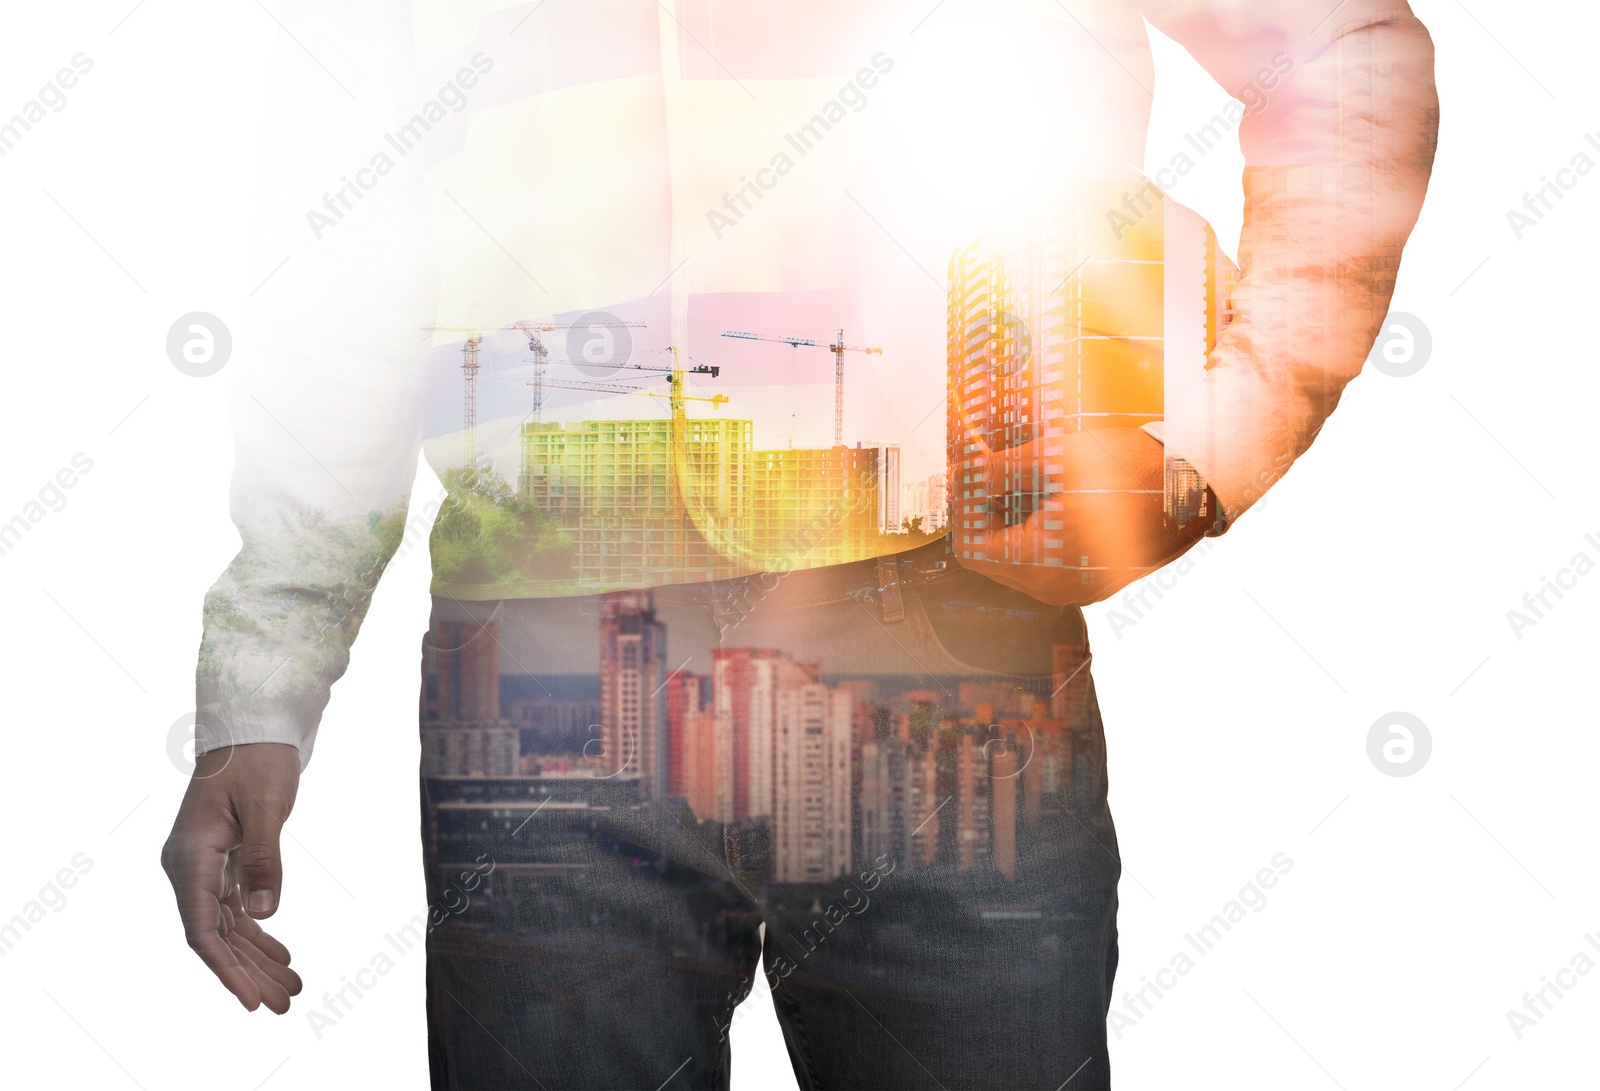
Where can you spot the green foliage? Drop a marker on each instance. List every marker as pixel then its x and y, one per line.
pixel 487 533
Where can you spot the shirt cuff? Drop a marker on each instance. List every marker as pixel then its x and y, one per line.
pixel 212 731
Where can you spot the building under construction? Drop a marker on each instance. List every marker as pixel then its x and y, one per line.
pixel 646 507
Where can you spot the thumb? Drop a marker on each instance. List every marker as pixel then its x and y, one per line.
pixel 260 865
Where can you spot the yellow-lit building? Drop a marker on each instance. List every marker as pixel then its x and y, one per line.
pixel 814 506
pixel 642 515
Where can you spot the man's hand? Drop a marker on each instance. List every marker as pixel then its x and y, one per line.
pixel 222 858
pixel 1109 510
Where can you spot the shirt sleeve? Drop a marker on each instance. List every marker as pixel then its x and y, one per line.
pixel 325 413
pixel 1338 132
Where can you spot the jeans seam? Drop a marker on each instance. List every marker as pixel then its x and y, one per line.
pixel 802 1041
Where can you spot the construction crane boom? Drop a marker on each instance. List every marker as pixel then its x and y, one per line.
pixel 674 374
pixel 531 328
pixel 614 388
pixel 838 348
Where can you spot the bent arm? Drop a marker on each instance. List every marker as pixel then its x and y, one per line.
pixel 1338 152
pixel 1337 156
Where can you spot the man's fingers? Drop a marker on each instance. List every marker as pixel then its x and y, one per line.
pixel 195 868
pixel 223 861
pixel 223 961
pixel 281 975
pixel 273 995
pixel 260 867
pixel 205 937
pixel 261 945
pixel 263 940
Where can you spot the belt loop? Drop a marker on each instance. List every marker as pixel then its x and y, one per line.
pixel 889 597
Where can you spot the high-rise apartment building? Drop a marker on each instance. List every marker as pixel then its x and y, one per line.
pixel 746 684
pixel 888 769
pixel 811 782
pixel 937 510
pixel 915 724
pixel 688 695
pixel 972 803
pixel 1004 770
pixel 463 732
pixel 633 703
pixel 742 703
pixel 704 786
pixel 889 488
pixel 773 746
pixel 465 659
pixel 1070 323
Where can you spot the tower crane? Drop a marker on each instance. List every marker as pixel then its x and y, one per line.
pixel 617 388
pixel 674 374
pixel 678 470
pixel 838 348
pixel 531 328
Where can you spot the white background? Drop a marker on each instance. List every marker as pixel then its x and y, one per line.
pixel 1376 577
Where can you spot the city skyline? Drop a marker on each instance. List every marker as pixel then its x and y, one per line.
pixel 936 770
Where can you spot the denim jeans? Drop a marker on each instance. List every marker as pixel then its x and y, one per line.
pixel 886 792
